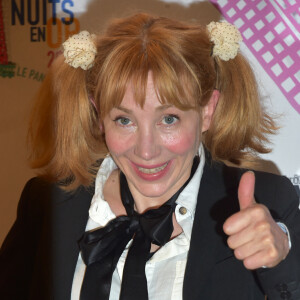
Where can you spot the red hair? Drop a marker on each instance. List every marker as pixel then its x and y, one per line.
pixel 64 131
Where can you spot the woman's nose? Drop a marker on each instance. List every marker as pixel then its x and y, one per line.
pixel 147 144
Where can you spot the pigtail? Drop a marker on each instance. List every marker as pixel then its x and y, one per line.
pixel 64 135
pixel 240 127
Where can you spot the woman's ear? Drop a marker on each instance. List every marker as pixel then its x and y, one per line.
pixel 209 109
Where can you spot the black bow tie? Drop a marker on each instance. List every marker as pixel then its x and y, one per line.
pixel 102 248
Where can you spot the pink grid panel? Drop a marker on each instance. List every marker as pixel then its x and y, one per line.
pixel 270 38
pixel 292 9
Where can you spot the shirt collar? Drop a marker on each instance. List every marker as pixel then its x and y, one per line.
pixel 100 211
pixel 188 197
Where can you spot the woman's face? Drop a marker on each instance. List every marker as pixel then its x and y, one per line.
pixel 154 146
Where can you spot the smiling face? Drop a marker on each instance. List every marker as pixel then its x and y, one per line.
pixel 153 146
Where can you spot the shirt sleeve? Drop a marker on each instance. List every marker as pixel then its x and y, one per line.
pixel 286 231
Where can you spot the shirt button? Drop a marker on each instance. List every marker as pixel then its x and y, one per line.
pixel 182 210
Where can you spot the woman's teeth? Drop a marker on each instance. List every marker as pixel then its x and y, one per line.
pixel 152 171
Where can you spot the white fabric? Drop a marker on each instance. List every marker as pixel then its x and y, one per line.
pixel 165 270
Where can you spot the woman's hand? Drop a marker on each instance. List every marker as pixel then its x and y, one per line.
pixel 253 234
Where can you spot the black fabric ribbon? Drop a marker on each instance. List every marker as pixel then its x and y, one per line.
pixel 102 248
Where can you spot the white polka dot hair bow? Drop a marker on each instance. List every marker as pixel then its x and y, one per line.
pixel 226 38
pixel 80 50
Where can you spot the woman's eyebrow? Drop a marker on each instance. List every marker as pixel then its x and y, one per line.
pixel 163 107
pixel 126 110
pixel 158 108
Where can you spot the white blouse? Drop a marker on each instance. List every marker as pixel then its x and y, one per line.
pixel 165 269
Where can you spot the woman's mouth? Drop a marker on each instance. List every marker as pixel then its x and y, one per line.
pixel 152 170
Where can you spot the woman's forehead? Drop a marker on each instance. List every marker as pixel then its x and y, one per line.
pixel 136 92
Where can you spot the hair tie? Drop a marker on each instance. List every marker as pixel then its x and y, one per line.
pixel 92 101
pixel 226 38
pixel 80 50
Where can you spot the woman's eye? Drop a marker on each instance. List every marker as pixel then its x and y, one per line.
pixel 123 121
pixel 169 120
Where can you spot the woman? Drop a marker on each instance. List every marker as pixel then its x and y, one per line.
pixel 162 217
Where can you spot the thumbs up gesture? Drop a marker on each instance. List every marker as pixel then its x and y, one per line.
pixel 253 234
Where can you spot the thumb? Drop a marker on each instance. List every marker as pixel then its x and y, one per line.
pixel 246 190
